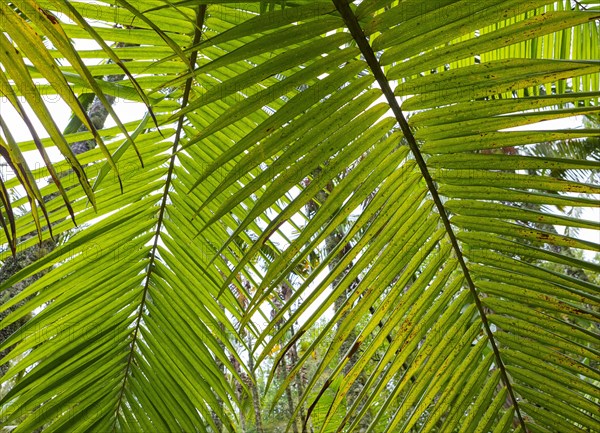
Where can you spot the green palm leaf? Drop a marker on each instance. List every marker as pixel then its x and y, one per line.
pixel 375 135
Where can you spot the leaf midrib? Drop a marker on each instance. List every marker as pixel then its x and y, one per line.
pixel 200 16
pixel 357 33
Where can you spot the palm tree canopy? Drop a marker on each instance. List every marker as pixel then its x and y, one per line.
pixel 430 262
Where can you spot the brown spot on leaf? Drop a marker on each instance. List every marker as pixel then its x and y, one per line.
pixel 354 349
pixel 49 16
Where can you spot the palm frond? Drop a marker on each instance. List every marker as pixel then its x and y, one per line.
pixel 381 134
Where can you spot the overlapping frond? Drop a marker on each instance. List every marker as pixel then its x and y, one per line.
pixel 385 136
pixel 136 295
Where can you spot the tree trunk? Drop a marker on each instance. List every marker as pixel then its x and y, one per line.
pixel 254 390
pixel 283 368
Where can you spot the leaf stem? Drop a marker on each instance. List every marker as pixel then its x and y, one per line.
pixel 200 16
pixel 367 51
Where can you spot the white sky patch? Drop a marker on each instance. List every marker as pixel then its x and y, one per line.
pixel 574 122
